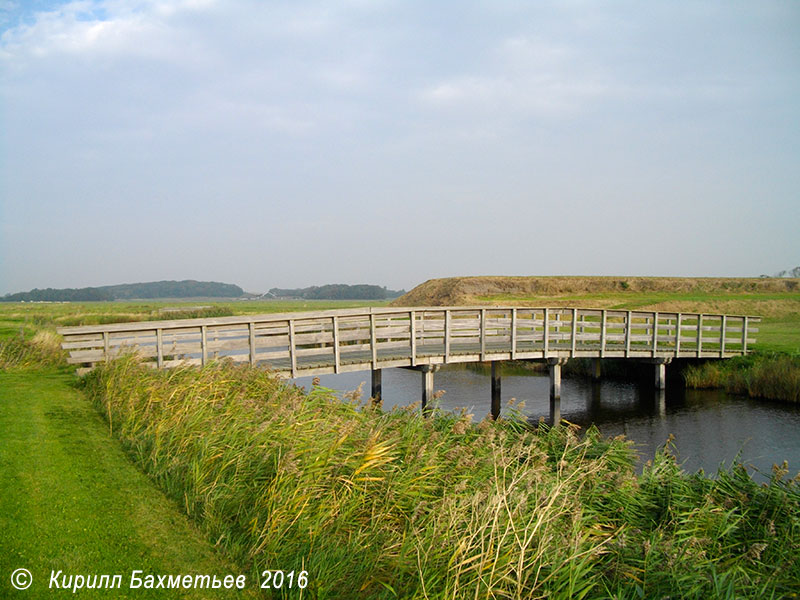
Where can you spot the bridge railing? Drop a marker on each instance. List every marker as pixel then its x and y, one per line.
pixel 298 344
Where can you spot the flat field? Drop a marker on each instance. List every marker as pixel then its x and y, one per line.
pixel 30 317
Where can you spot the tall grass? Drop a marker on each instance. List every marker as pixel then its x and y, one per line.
pixel 42 350
pixel 385 505
pixel 770 376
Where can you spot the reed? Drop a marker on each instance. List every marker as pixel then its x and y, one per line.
pixel 377 504
pixel 770 376
pixel 42 350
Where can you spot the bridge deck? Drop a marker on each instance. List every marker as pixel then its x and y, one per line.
pixel 299 344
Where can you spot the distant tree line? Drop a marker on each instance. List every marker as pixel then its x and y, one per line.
pixel 127 291
pixel 63 295
pixel 787 273
pixel 338 291
pixel 174 289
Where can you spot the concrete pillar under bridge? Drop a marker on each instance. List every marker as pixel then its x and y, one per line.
pixel 596 369
pixel 661 371
pixel 427 385
pixel 554 369
pixel 376 384
pixel 495 410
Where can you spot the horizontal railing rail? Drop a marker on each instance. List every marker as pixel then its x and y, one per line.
pixel 333 341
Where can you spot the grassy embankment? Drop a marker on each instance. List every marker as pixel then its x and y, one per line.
pixel 772 371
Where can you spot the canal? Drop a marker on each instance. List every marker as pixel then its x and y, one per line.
pixel 710 427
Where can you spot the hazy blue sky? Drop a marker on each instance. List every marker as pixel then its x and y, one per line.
pixel 297 143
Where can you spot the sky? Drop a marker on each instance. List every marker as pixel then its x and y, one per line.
pixel 288 144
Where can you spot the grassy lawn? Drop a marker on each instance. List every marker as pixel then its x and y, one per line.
pixel 71 500
pixel 779 335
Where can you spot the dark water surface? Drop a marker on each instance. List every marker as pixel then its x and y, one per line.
pixel 710 427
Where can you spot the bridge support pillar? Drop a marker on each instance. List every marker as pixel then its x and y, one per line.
pixel 376 384
pixel 555 411
pixel 596 369
pixel 495 410
pixel 427 386
pixel 661 372
pixel 554 367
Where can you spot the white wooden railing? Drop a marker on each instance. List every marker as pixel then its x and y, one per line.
pixel 297 344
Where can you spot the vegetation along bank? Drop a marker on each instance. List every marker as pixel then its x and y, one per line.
pixel 380 504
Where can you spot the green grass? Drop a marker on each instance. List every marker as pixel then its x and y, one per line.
pixel 779 335
pixel 394 505
pixel 71 500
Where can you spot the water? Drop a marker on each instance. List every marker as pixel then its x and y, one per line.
pixel 710 427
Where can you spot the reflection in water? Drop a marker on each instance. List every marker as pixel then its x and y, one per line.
pixel 710 427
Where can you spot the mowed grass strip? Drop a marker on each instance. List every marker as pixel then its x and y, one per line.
pixel 71 500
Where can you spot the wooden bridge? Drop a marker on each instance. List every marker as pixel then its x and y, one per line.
pixel 423 338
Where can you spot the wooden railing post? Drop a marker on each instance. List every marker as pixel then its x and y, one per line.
pixel 574 331
pixel 513 333
pixel 483 334
pixel 722 325
pixel 603 334
pixel 678 334
pixel 655 333
pixel 546 331
pixel 105 346
pixel 373 343
pixel 413 332
pixel 335 344
pixel 744 335
pixel 203 345
pixel 447 319
pixel 159 349
pixel 699 334
pixel 628 327
pixel 251 330
pixel 292 350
